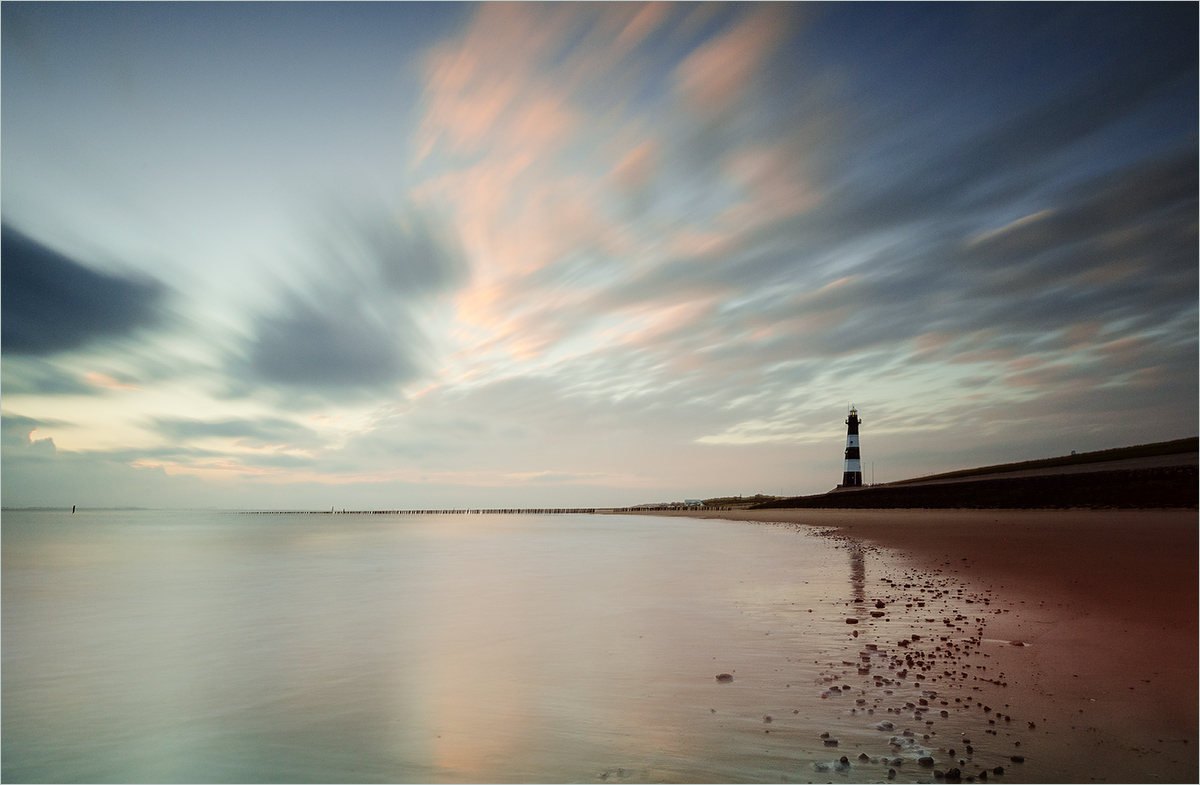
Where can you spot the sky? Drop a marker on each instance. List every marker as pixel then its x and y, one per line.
pixel 407 255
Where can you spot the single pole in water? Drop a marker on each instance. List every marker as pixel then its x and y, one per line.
pixel 72 509
pixel 852 472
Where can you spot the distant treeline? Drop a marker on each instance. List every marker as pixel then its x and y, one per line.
pixel 657 507
pixel 739 501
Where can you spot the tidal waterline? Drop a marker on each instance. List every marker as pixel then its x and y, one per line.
pixel 207 646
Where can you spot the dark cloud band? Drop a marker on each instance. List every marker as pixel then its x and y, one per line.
pixel 350 327
pixel 54 304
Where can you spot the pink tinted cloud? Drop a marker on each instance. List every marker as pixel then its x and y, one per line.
pixel 1082 334
pixel 1047 376
pixel 774 184
pixel 648 19
pixel 638 167
pixel 97 379
pixel 550 166
pixel 997 354
pixel 714 77
pixel 654 323
pixel 473 83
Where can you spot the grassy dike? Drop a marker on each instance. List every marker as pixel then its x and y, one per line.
pixel 1056 483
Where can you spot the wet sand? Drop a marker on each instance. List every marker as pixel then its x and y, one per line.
pixel 1105 604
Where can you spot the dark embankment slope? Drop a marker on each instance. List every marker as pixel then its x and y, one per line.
pixel 1122 481
pixel 1084 459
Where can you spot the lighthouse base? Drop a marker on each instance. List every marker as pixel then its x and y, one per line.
pixel 851 480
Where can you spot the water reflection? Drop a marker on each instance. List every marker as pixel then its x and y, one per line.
pixel 518 648
pixel 858 574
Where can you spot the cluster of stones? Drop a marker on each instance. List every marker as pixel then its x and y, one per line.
pixel 897 680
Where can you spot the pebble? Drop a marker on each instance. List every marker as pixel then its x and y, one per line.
pixel 921 669
pixel 724 677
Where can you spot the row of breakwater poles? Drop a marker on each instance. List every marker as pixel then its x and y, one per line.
pixel 499 511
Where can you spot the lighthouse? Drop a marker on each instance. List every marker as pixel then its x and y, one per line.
pixel 852 475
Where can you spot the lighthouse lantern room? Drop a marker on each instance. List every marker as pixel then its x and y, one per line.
pixel 852 474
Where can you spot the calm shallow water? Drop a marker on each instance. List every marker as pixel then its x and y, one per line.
pixel 202 646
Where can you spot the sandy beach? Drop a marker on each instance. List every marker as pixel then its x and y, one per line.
pixel 1102 604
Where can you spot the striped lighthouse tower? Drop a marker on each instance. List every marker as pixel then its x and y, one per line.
pixel 852 475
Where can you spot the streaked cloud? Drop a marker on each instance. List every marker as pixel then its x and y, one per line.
pixel 347 316
pixel 35 376
pixel 619 251
pixel 267 432
pixel 714 79
pixel 55 304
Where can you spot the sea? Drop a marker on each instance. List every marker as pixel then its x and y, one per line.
pixel 211 646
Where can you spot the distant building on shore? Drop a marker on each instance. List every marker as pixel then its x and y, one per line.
pixel 852 472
